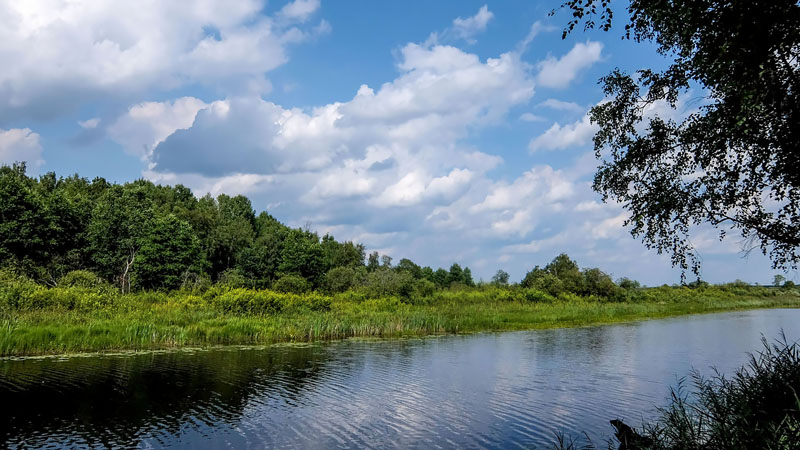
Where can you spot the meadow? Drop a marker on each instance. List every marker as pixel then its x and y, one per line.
pixel 36 320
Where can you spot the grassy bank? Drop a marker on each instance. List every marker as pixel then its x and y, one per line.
pixel 37 320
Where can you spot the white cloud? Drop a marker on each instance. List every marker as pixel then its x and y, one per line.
pixel 530 117
pixel 536 28
pixel 89 124
pixel 20 145
pixel 299 10
pixel 462 29
pixel 560 105
pixel 147 124
pixel 560 72
pixel 57 55
pixel 414 122
pixel 469 27
pixel 559 137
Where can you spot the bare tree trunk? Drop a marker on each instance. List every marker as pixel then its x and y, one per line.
pixel 126 276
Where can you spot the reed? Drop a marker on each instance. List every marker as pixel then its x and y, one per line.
pixel 36 320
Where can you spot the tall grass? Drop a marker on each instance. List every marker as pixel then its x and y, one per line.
pixel 758 407
pixel 40 320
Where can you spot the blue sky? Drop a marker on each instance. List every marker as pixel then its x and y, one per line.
pixel 437 131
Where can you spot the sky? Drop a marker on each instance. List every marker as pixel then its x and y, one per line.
pixel 437 131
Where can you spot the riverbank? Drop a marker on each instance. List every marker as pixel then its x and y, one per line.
pixel 62 321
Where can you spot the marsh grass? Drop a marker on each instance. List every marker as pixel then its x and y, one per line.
pixel 758 406
pixel 36 320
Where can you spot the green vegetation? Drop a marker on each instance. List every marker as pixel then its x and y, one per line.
pixel 85 314
pixel 757 407
pixel 93 266
pixel 726 155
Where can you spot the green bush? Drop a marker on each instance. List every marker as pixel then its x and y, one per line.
pixel 386 282
pixel 232 278
pixel 248 301
pixel 340 279
pixel 16 291
pixel 537 296
pixel 424 288
pixel 66 298
pixel 82 279
pixel 294 284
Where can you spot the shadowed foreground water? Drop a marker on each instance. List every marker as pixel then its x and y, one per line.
pixel 506 390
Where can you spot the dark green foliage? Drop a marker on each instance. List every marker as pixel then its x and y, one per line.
pixel 302 255
pixel 627 283
pixel 232 279
pixel 81 279
pixel 166 256
pixel 340 279
pixel 561 268
pixel 596 282
pixel 500 278
pixel 733 162
pixel 386 282
pixel 562 275
pixel 441 277
pixel 291 283
pixel 407 265
pixel 142 236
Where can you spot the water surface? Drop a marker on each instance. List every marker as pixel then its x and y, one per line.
pixel 504 390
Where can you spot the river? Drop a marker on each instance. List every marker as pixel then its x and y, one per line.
pixel 492 390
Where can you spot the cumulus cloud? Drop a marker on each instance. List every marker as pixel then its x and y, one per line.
pixel 462 29
pixel 469 27
pixel 530 117
pixel 299 10
pixel 59 55
pixel 536 28
pixel 147 124
pixel 560 72
pixel 409 128
pixel 20 145
pixel 560 105
pixel 559 137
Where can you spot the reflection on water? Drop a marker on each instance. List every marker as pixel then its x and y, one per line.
pixel 483 391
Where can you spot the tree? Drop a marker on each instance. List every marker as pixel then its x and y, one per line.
pixel 733 162
pixel 372 261
pixel 778 280
pixel 302 255
pixel 409 266
pixel 119 223
pixel 500 278
pixel 166 255
pixel 455 275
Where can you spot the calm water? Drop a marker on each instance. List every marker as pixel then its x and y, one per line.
pixel 507 390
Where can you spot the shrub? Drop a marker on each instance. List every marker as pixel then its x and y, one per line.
pixel 16 291
pixel 549 283
pixel 627 283
pixel 597 282
pixel 537 296
pixel 248 301
pixel 424 288
pixel 294 284
pixel 66 298
pixel 387 282
pixel 81 279
pixel 232 278
pixel 340 279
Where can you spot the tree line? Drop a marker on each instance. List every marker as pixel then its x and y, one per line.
pixel 144 236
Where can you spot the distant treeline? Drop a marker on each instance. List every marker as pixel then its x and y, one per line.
pixel 143 236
